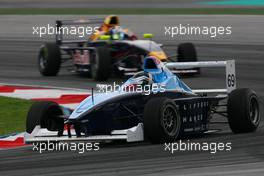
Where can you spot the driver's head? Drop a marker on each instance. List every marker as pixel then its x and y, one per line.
pixel 153 66
pixel 111 21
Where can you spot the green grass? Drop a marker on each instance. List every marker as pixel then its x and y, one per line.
pixel 140 11
pixel 13 114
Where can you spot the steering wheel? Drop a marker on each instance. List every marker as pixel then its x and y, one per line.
pixel 144 77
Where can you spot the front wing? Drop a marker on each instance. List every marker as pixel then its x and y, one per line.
pixel 133 134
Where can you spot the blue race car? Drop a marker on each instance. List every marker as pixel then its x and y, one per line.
pixel 153 104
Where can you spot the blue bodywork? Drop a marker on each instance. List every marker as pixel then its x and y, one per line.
pixel 155 70
pixel 162 75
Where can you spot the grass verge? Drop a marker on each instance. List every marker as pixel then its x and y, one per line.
pixel 128 11
pixel 13 114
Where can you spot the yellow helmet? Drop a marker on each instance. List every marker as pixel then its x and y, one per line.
pixel 111 20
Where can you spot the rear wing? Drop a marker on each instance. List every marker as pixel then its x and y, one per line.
pixel 230 72
pixel 62 24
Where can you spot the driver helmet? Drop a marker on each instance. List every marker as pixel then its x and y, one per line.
pixel 153 66
pixel 111 21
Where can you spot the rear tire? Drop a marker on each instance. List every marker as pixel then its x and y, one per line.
pixel 243 111
pixel 100 64
pixel 49 59
pixel 162 122
pixel 187 53
pixel 44 114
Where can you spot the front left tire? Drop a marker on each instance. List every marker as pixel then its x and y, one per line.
pixel 49 59
pixel 162 122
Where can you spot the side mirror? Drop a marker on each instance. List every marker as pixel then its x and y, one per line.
pixel 148 36
pixel 104 37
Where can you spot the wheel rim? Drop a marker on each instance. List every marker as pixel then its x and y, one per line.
pixel 169 120
pixel 42 58
pixel 51 117
pixel 42 62
pixel 254 110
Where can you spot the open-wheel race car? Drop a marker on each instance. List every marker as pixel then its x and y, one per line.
pixel 110 50
pixel 167 112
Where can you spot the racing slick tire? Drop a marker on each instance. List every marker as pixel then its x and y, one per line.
pixel 187 53
pixel 45 114
pixel 100 64
pixel 162 122
pixel 243 110
pixel 49 59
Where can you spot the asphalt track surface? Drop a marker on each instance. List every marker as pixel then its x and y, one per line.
pixel 18 51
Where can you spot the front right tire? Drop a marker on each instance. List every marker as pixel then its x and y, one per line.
pixel 101 64
pixel 243 111
pixel 46 114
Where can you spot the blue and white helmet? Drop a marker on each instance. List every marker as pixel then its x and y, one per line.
pixel 155 67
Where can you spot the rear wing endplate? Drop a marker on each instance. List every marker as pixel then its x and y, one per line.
pixel 230 72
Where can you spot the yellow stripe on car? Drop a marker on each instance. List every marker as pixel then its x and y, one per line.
pixel 159 55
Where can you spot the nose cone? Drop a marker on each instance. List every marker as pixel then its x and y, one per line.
pixel 152 65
